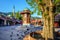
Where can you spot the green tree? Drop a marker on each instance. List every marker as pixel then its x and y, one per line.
pixel 18 16
pixel 12 15
pixel 47 7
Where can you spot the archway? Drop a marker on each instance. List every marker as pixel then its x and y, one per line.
pixel 1 22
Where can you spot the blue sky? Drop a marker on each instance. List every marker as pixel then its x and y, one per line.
pixel 7 5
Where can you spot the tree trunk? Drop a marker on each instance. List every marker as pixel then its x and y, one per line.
pixel 51 14
pixel 48 22
pixel 47 19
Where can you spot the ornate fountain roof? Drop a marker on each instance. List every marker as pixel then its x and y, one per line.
pixel 25 11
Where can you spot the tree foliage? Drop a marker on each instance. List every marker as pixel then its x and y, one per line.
pixel 34 5
pixel 37 8
pixel 18 16
pixel 57 1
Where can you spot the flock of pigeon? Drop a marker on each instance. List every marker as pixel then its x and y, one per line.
pixel 16 32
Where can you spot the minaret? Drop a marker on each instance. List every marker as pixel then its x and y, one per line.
pixel 13 11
